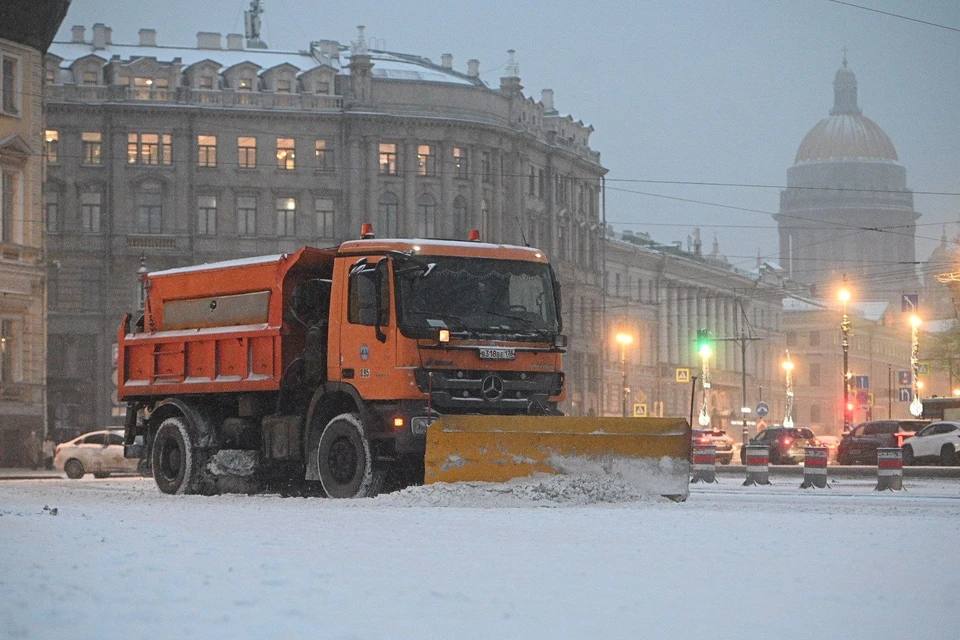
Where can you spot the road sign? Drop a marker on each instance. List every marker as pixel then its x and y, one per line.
pixel 904 394
pixel 904 378
pixel 683 375
pixel 909 302
pixel 923 369
pixel 762 409
pixel 861 382
pixel 640 410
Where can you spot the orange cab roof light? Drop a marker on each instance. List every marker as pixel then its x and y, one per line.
pixel 474 235
pixel 366 231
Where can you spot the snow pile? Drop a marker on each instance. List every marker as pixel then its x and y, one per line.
pixel 234 462
pixel 579 482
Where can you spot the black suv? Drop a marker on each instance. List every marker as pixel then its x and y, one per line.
pixel 786 445
pixel 861 444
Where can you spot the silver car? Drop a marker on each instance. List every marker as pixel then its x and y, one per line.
pixel 97 452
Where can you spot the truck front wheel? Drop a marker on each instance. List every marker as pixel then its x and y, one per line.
pixel 344 462
pixel 175 458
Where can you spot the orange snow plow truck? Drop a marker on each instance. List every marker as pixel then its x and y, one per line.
pixel 371 365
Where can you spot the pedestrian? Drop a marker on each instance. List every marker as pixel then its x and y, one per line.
pixel 49 448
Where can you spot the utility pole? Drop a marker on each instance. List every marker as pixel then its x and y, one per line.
pixel 743 339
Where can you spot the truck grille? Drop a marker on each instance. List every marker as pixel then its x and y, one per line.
pixel 488 391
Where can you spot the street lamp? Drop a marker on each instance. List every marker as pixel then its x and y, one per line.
pixel 844 296
pixel 916 406
pixel 788 411
pixel 705 350
pixel 624 340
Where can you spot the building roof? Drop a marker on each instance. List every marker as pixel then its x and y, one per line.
pixel 33 24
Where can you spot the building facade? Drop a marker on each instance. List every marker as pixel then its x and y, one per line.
pixel 846 210
pixel 25 33
pixel 182 155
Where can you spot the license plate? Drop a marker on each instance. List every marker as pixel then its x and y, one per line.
pixel 488 353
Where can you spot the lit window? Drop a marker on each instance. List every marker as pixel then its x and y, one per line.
pixel 207 151
pixel 286 154
pixel 460 162
pixel 92 147
pixel 51 146
pixel 246 215
pixel 324 152
pixel 9 351
pixel 90 205
pixel 142 88
pixel 206 215
pixel 9 85
pixel 426 161
pixel 149 148
pixel 246 83
pixel 286 216
pixel 247 152
pixel 323 208
pixel 388 159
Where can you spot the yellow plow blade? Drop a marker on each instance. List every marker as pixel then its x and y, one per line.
pixel 473 448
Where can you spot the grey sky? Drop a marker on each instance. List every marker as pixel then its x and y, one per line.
pixel 676 89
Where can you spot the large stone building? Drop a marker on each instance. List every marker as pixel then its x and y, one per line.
pixel 25 32
pixel 224 149
pixel 846 209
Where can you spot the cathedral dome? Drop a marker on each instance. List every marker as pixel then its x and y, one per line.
pixel 846 134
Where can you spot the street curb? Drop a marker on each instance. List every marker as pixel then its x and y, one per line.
pixel 856 471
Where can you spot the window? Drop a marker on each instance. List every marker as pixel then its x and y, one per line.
pixel 246 84
pixel 246 215
pixel 90 205
pixel 286 216
pixel 149 208
pixel 9 347
pixel 323 209
pixel 51 146
pixel 247 152
pixel 460 216
pixel 814 374
pixel 92 147
pixel 207 151
pixel 206 82
pixel 149 148
pixel 50 76
pixel 362 307
pixel 485 166
pixel 145 88
pixel 389 208
pixel 286 154
pixel 98 439
pixel 51 205
pixel 284 85
pixel 90 77
pixel 207 215
pixel 324 152
pixel 10 204
pixel 426 216
pixel 323 87
pixel 532 181
pixel 814 338
pixel 426 161
pixel 388 159
pixel 9 85
pixel 541 179
pixel 460 163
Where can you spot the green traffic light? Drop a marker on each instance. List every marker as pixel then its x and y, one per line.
pixel 705 351
pixel 704 343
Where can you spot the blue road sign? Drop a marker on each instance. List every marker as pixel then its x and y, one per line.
pixel 762 409
pixel 909 302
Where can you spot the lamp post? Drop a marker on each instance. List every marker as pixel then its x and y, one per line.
pixel 844 296
pixel 788 411
pixel 624 340
pixel 705 351
pixel 916 406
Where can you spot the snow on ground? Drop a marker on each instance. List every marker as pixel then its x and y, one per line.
pixel 550 557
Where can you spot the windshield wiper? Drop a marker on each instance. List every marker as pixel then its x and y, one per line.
pixel 443 317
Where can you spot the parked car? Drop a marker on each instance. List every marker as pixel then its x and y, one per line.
pixel 832 443
pixel 719 439
pixel 96 452
pixel 860 445
pixel 938 442
pixel 786 444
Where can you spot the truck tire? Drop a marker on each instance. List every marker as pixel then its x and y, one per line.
pixel 344 462
pixel 175 458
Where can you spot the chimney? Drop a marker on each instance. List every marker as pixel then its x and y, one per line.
pixel 234 41
pixel 77 32
pixel 148 37
pixel 101 36
pixel 446 60
pixel 473 68
pixel 208 40
pixel 329 48
pixel 546 98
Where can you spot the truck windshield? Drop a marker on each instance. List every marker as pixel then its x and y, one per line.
pixel 475 296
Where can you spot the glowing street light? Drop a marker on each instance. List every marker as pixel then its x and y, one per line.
pixel 844 296
pixel 705 350
pixel 916 406
pixel 624 340
pixel 788 411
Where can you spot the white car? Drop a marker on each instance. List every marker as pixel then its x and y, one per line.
pixel 97 452
pixel 939 441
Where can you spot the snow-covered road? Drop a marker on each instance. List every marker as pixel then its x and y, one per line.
pixel 532 560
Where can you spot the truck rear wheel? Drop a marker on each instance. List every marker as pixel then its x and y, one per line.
pixel 175 459
pixel 345 465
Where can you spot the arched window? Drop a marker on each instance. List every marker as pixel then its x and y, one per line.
pixel 389 215
pixel 426 216
pixel 459 217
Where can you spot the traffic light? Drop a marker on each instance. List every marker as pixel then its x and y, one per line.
pixel 704 343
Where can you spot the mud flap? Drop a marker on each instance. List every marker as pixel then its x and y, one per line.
pixel 652 452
